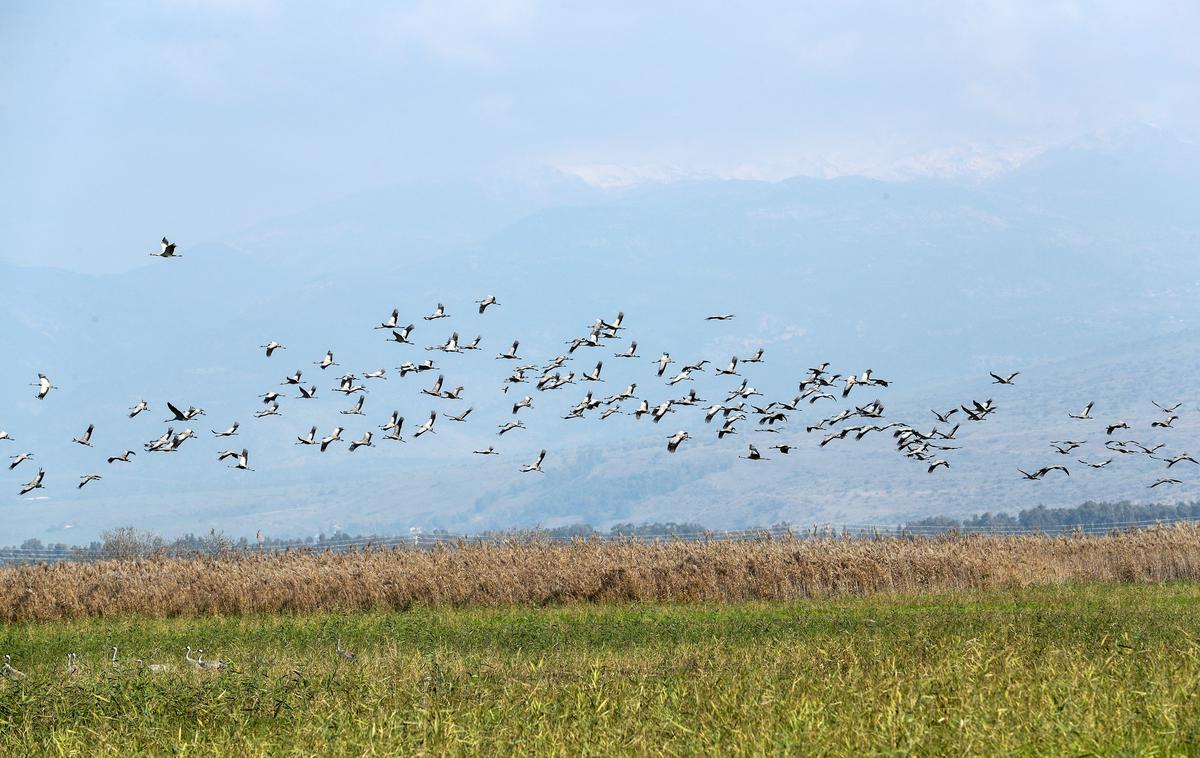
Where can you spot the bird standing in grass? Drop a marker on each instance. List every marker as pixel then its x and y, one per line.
pixel 9 671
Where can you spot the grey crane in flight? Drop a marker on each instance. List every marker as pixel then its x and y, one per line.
pixel 484 303
pixel 166 249
pixel 86 438
pixel 44 386
pixel 536 465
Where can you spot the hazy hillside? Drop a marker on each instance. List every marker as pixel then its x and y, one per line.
pixel 1079 269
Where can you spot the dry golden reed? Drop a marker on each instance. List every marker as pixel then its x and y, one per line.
pixel 540 573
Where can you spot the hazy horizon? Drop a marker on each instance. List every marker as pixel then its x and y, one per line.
pixel 933 195
pixel 199 118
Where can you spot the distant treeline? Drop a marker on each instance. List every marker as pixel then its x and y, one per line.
pixel 1090 514
pixel 127 542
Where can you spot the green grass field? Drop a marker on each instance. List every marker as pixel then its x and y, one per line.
pixel 1109 669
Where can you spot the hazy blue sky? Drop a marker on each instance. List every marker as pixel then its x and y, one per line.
pixel 119 121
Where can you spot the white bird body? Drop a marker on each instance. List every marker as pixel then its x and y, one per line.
pixel 179 439
pixel 162 441
pixel 356 409
pixel 86 438
pixel 9 671
pixel 586 404
pixel 364 442
pixel 271 347
pixel 731 369
pixel 594 374
pixel 217 665
pixel 449 346
pixel 682 376
pixel 484 303
pixel 663 410
pixel 642 410
pixel 509 426
pixel 230 432
pixel 626 394
pixel 675 440
pixel 427 426
pixel 436 389
pixel 536 465
pixel 511 353
pixel 155 668
pixel 178 415
pixel 615 326
pixel 166 250
pixel 663 362
pixel 753 455
pixel 402 335
pixel 88 478
pixel 1165 480
pixel 243 461
pixel 44 386
pixel 392 320
pixel 334 436
pixel 34 484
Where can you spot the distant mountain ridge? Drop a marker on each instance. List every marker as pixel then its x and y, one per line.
pixel 1079 269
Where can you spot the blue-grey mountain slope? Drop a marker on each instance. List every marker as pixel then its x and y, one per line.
pixel 1079 269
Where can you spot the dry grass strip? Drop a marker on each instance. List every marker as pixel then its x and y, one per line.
pixel 541 573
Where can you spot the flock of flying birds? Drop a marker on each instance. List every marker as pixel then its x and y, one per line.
pixel 737 407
